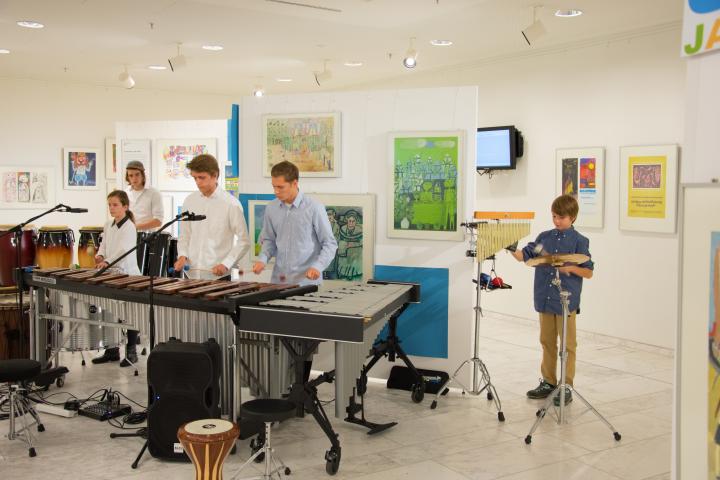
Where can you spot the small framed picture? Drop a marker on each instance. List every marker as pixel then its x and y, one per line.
pixel 110 158
pixel 80 168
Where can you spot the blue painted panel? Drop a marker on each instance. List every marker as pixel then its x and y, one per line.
pixel 246 197
pixel 233 123
pixel 423 327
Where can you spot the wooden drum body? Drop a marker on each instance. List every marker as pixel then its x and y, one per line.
pixel 55 247
pixel 90 238
pixel 8 253
pixel 207 443
pixel 11 345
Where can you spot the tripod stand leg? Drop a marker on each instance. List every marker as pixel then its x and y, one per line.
pixel 137 460
pixel 616 434
pixel 540 414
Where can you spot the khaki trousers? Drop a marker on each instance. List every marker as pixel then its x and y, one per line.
pixel 550 338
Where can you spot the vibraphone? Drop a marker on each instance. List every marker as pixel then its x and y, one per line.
pixel 191 310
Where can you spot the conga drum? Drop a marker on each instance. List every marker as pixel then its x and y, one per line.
pixel 54 247
pixel 208 442
pixel 11 343
pixel 8 253
pixel 90 238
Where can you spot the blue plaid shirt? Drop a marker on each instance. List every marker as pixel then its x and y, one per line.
pixel 546 295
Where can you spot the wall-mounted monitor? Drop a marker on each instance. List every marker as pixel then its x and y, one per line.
pixel 497 148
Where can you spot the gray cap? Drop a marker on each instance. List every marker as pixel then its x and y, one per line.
pixel 135 165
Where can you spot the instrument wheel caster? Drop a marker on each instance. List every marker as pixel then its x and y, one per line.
pixel 617 436
pixel 41 428
pixel 256 445
pixel 418 392
pixel 60 381
pixel 489 396
pixel 538 413
pixel 332 461
pixel 463 392
pixel 528 439
pixel 32 452
pixel 501 416
pixel 288 471
pixel 83 363
pixel 446 391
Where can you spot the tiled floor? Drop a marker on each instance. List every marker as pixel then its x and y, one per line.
pixel 630 384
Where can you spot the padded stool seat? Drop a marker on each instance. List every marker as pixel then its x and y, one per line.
pixel 17 370
pixel 268 410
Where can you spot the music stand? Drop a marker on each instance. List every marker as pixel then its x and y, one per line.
pixel 560 389
pixel 143 433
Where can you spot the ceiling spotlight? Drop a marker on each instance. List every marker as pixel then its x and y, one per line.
pixel 30 24
pixel 568 13
pixel 410 60
pixel 157 67
pixel 353 64
pixel 126 79
pixel 258 91
pixel 178 61
pixel 441 43
pixel 4 51
pixel 535 30
pixel 324 76
pixel 212 48
pixel 284 80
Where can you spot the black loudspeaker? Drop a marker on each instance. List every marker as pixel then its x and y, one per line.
pixel 183 385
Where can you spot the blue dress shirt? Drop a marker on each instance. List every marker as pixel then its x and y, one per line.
pixel 299 236
pixel 546 295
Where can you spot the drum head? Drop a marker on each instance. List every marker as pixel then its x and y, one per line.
pixel 91 229
pixel 210 426
pixel 54 228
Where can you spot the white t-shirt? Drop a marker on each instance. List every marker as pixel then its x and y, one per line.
pixel 118 239
pixel 146 205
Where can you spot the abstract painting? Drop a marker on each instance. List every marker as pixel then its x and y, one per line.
pixel 27 187
pixel 309 140
pixel 427 185
pixel 580 173
pixel 80 167
pixel 172 157
pixel 256 216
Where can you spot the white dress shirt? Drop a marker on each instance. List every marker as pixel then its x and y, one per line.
pixel 118 239
pixel 146 205
pixel 209 242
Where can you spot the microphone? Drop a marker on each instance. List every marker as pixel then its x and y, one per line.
pixel 74 210
pixel 193 217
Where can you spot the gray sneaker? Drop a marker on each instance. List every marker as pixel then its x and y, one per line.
pixel 541 391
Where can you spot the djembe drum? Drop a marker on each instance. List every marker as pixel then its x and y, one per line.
pixel 90 238
pixel 55 247
pixel 208 442
pixel 8 254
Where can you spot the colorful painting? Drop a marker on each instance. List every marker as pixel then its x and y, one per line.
pixel 172 159
pixel 713 433
pixel 426 191
pixel 352 218
pixel 26 187
pixel 311 141
pixel 256 217
pixel 80 168
pixel 580 174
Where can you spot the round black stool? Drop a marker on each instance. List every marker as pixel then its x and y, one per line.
pixel 14 373
pixel 267 411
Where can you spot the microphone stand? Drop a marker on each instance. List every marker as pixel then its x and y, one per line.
pixel 17 231
pixel 143 432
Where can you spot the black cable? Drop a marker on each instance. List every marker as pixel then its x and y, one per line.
pixel 131 400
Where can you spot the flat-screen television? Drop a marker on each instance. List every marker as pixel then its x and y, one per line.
pixel 497 148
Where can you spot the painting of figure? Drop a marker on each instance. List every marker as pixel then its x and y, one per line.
pixel 80 168
pixel 27 187
pixel 172 157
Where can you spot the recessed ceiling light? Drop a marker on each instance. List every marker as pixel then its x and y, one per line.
pixel 4 51
pixel 284 79
pixel 441 43
pixel 353 64
pixel 30 24
pixel 568 13
pixel 212 48
pixel 157 67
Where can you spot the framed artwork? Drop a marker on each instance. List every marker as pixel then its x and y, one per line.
pixel 352 218
pixel 426 192
pixel 27 187
pixel 648 188
pixel 256 215
pixel 309 140
pixel 80 168
pixel 697 381
pixel 580 172
pixel 171 161
pixel 110 158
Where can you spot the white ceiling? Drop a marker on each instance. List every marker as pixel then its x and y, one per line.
pixel 90 41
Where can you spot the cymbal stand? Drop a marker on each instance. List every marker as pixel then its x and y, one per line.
pixel 480 375
pixel 562 387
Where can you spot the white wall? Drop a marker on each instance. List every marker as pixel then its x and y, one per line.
pixel 367 118
pixel 614 93
pixel 40 118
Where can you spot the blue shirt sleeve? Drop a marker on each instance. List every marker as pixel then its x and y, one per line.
pixel 529 250
pixel 583 247
pixel 268 238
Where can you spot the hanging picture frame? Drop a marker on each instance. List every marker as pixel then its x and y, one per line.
pixel 27 187
pixel 172 157
pixel 256 215
pixel 80 168
pixel 648 188
pixel 312 141
pixel 110 158
pixel 580 172
pixel 426 189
